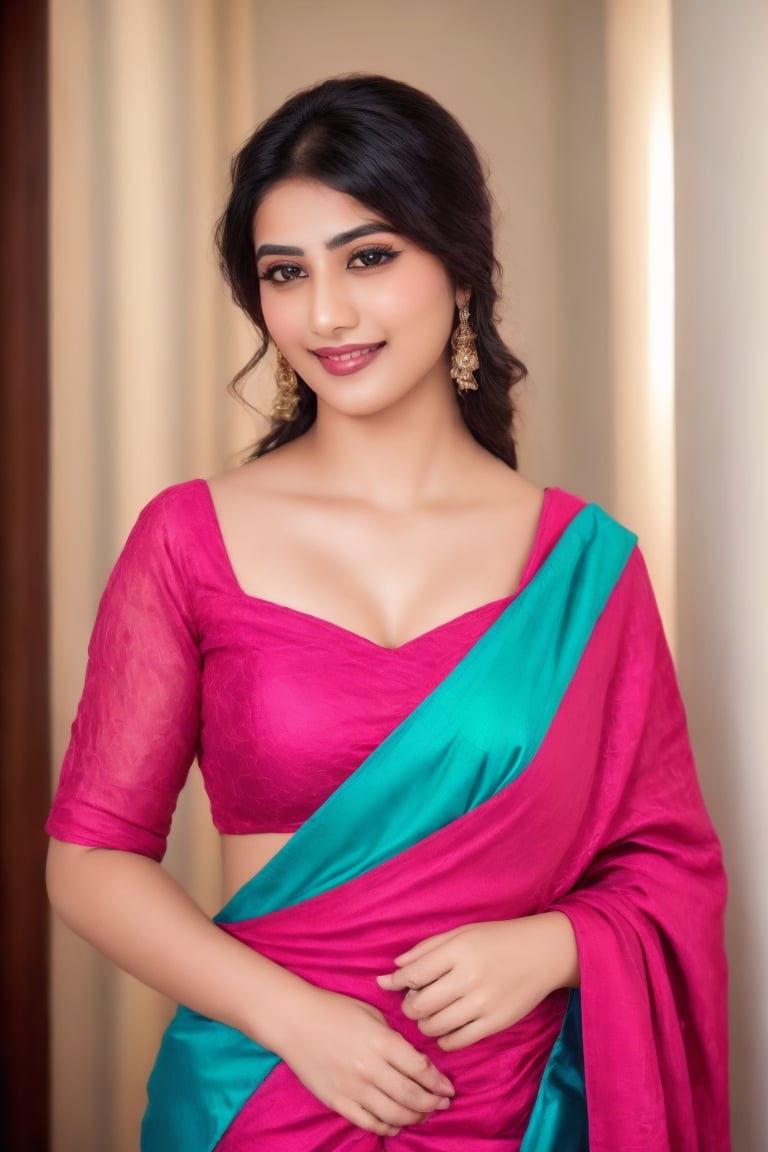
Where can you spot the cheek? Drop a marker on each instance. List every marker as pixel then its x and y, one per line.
pixel 425 303
pixel 279 317
pixel 418 312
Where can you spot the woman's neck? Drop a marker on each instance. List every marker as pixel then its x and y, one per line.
pixel 395 459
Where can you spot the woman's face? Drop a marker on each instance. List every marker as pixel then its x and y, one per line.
pixel 360 312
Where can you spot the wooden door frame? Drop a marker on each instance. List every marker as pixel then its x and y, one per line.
pixel 24 667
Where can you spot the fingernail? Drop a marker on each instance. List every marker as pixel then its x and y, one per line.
pixel 446 1085
pixel 444 1103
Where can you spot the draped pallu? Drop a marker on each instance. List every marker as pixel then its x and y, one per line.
pixel 549 770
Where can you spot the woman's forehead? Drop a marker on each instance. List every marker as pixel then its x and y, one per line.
pixel 303 212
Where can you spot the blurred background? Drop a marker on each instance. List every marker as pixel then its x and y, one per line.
pixel 628 152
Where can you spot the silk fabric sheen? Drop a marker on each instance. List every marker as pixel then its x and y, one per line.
pixel 566 756
pixel 605 823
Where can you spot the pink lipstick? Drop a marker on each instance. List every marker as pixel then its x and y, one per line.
pixel 347 358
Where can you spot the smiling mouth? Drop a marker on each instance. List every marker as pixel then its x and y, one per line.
pixel 340 355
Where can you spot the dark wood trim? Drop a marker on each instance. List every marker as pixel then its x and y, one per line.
pixel 24 693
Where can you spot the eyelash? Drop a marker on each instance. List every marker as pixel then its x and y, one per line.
pixel 270 274
pixel 385 250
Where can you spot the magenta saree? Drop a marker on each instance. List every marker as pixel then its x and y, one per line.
pixel 550 769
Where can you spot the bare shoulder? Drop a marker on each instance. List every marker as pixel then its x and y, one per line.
pixel 260 488
pixel 261 506
pixel 510 495
pixel 514 489
pixel 275 472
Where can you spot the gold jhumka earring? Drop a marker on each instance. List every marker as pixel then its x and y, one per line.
pixel 464 361
pixel 286 403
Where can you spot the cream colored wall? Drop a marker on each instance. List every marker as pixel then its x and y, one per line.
pixel 720 64
pixel 148 102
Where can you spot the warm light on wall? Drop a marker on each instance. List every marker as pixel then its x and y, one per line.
pixel 641 200
pixel 661 312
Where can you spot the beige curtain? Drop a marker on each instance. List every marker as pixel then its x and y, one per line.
pixel 148 101
pixel 572 105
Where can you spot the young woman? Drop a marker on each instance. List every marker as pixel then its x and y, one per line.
pixel 473 899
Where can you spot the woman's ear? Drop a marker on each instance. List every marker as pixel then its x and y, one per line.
pixel 462 297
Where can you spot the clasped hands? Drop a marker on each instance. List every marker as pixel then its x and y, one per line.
pixel 460 986
pixel 473 981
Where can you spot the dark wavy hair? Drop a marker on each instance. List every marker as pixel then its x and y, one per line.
pixel 398 152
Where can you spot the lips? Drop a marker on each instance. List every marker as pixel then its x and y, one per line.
pixel 347 358
pixel 347 351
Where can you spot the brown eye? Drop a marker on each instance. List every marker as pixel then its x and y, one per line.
pixel 281 273
pixel 372 257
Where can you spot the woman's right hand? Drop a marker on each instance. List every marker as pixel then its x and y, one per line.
pixel 340 1048
pixel 346 1054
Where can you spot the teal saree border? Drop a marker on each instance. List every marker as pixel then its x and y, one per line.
pixel 294 874
pixel 559 1118
pixel 205 1071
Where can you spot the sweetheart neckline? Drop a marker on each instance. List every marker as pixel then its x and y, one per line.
pixel 358 637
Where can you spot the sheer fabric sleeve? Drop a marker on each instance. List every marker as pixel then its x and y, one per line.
pixel 136 729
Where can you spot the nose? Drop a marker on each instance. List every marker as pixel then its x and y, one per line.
pixel 332 307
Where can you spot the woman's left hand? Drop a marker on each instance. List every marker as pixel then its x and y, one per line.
pixel 466 984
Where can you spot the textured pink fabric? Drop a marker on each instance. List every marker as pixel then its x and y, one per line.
pixel 278 706
pixel 607 824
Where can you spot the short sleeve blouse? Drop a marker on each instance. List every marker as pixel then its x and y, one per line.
pixel 278 706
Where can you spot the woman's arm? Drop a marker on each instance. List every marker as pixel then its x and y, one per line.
pixel 135 735
pixel 131 909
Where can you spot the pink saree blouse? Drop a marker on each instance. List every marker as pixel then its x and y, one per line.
pixel 278 706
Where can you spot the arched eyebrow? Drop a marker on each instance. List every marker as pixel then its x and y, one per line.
pixel 339 241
